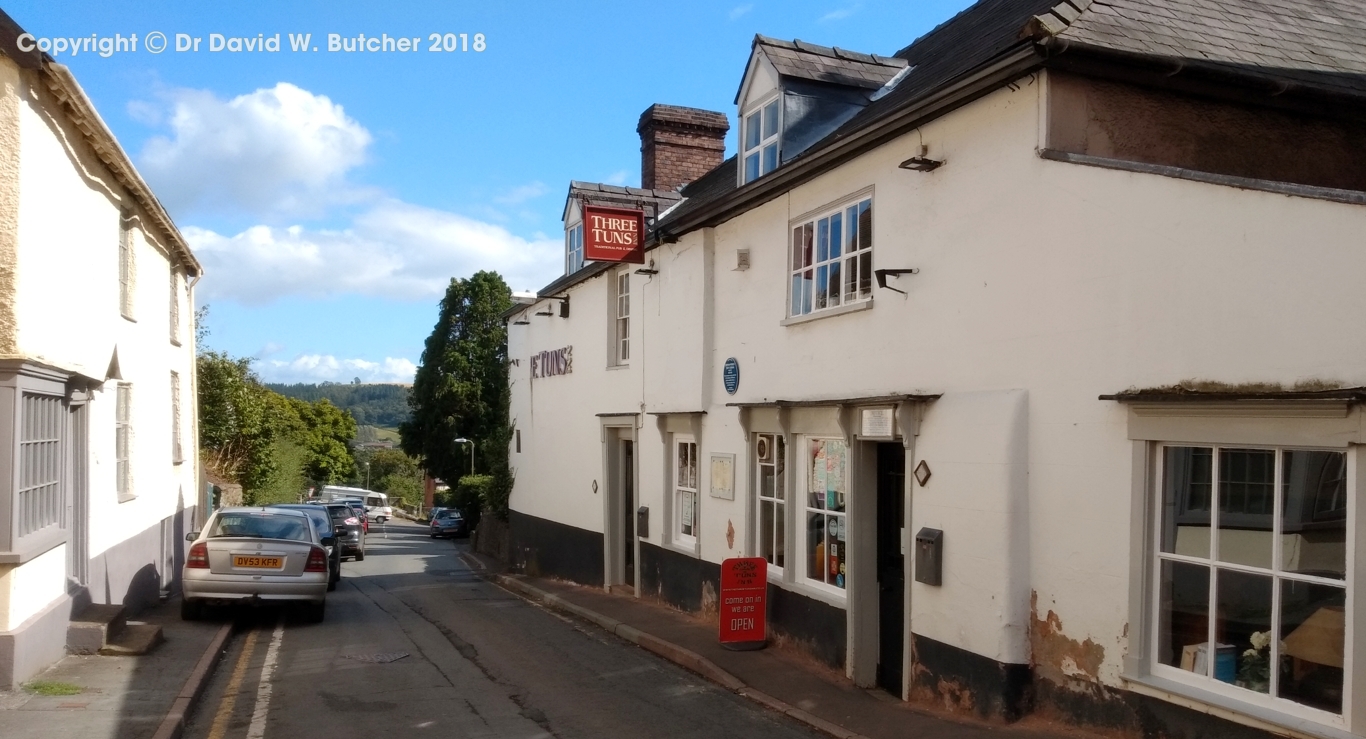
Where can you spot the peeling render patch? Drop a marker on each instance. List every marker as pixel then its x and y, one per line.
pixel 1058 657
pixel 965 682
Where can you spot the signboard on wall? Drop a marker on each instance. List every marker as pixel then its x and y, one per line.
pixel 613 234
pixel 552 362
pixel 744 603
pixel 877 423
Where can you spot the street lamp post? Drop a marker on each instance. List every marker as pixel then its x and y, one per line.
pixel 367 475
pixel 471 443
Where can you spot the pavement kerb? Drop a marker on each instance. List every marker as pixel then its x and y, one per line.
pixel 678 655
pixel 174 723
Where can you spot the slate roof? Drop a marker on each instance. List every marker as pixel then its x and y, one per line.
pixel 828 64
pixel 1319 43
pixel 626 197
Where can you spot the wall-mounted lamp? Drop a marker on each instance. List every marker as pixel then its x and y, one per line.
pixel 883 274
pixel 922 163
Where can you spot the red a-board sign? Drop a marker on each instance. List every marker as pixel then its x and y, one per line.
pixel 613 234
pixel 744 600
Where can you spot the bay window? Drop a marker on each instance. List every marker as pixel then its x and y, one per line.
pixel 1250 571
pixel 771 453
pixel 685 490
pixel 827 484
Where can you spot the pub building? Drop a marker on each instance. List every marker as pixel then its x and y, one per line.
pixel 1024 356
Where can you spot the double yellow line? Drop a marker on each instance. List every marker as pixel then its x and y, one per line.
pixel 239 671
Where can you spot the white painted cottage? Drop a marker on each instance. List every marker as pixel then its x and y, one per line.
pixel 99 473
pixel 1027 357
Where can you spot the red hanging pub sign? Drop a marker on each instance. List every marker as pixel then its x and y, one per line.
pixel 613 234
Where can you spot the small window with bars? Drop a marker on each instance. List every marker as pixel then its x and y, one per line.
pixel 40 503
pixel 175 306
pixel 127 269
pixel 177 449
pixel 123 441
pixel 832 259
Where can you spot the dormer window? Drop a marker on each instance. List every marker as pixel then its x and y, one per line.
pixel 573 249
pixel 761 141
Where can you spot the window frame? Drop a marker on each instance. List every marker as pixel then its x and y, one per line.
pixel 174 307
pixel 573 248
pixel 806 270
pixel 177 441
pixel 805 553
pixel 1155 556
pixel 768 109
pixel 778 462
pixel 680 488
pixel 127 267
pixel 123 442
pixel 621 319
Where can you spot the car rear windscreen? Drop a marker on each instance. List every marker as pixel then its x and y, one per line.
pixel 261 526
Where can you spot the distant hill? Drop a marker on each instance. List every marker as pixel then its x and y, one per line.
pixel 372 405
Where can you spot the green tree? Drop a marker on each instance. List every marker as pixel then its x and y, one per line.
pixel 461 386
pixel 236 421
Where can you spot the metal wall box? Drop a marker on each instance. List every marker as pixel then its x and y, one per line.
pixel 643 521
pixel 929 556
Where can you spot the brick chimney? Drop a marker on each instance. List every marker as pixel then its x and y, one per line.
pixel 678 145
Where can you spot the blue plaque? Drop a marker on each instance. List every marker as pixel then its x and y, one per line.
pixel 730 374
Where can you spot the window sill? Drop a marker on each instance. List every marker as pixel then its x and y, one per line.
pixel 34 545
pixel 1240 712
pixel 828 312
pixel 838 600
pixel 618 366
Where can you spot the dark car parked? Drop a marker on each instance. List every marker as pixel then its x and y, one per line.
pixel 326 531
pixel 448 523
pixel 353 544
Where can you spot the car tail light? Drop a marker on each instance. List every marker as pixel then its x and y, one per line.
pixel 317 560
pixel 199 557
pixel 353 521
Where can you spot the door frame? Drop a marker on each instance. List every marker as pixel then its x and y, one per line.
pixel 617 428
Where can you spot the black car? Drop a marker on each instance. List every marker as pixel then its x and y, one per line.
pixel 448 523
pixel 353 544
pixel 323 523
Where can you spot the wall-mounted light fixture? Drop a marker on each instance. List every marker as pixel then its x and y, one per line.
pixel 921 162
pixel 883 274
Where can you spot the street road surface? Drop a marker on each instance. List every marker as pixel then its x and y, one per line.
pixel 480 662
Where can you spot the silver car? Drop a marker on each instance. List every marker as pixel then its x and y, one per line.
pixel 254 555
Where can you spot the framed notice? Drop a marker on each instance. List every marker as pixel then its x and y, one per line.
pixel 722 476
pixel 613 234
pixel 877 423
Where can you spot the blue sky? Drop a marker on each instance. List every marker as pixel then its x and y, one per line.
pixel 331 196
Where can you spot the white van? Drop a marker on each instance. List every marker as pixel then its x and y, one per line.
pixel 376 504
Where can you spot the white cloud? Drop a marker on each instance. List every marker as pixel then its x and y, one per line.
pixel 277 151
pixel 523 193
pixel 325 367
pixel 394 250
pixel 841 14
pixel 740 10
